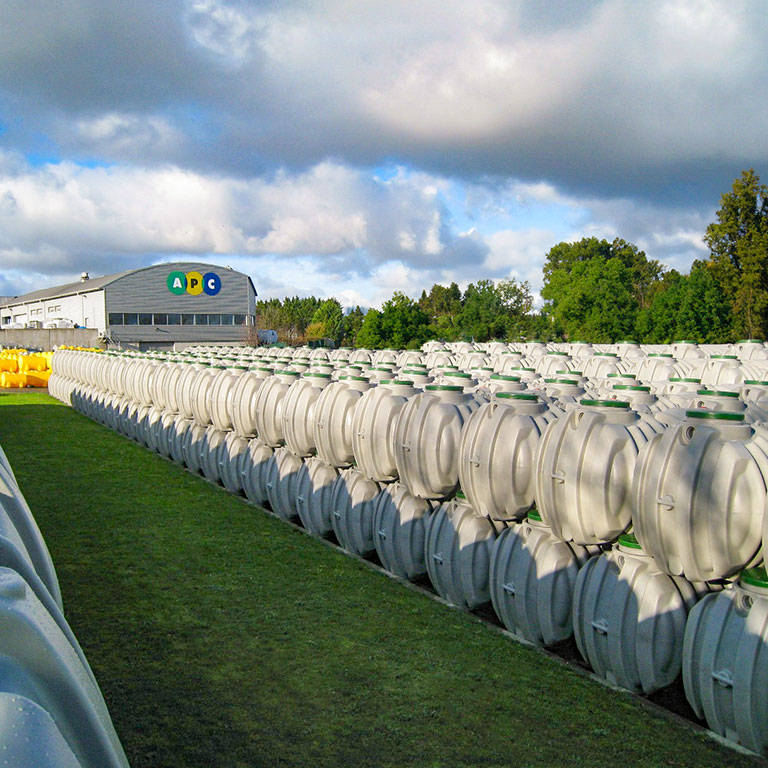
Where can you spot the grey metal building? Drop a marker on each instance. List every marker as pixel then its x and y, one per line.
pixel 156 306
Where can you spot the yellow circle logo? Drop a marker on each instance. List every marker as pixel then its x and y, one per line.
pixel 194 283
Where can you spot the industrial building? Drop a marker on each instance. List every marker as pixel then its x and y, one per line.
pixel 152 307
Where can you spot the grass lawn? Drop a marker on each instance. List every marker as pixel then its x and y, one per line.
pixel 223 637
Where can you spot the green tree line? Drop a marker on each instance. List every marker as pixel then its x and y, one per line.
pixel 593 290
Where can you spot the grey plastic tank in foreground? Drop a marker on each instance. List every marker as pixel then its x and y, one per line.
pixel 699 495
pixel 333 419
pixel 725 660
pixel 268 407
pixel 585 465
pixel 41 665
pixel 352 511
pixel 314 492
pixel 497 467
pixel 373 427
pixel 399 530
pixel 231 457
pixel 532 578
pixel 458 551
pixel 299 412
pixel 282 483
pixel 430 467
pixel 256 468
pixel 629 617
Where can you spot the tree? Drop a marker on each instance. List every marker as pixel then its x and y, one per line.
pixel 738 242
pixel 494 310
pixel 369 335
pixel 595 289
pixel 326 322
pixel 442 306
pixel 350 325
pixel 403 323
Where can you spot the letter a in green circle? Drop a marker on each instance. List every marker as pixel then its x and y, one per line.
pixel 177 282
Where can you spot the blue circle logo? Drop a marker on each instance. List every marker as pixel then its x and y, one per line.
pixel 211 283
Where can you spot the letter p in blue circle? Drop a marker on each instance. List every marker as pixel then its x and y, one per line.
pixel 211 283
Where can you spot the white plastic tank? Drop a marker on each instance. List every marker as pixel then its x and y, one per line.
pixel 282 480
pixel 699 495
pixel 212 441
pixel 256 470
pixel 497 454
pixel 532 578
pixel 201 393
pixel 586 462
pixel 192 445
pixel 268 406
pixel 458 551
pixel 221 395
pixel 41 665
pixel 553 361
pixel 314 492
pixel 176 437
pixel 243 403
pixel 352 505
pixel 430 467
pixel 725 660
pixel 750 349
pixel 231 457
pixel 373 428
pixel 334 413
pixel 399 530
pixel 722 371
pixel 298 411
pixel 629 617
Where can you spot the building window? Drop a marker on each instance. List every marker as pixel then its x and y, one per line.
pixel 130 318
pixel 53 308
pixel 145 318
pixel 160 319
pixel 116 318
pixel 187 319
pixel 239 319
pixel 35 312
pixel 214 319
pixel 6 319
pixel 174 319
pixel 201 319
pixel 227 320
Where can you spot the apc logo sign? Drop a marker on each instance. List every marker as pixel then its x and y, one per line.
pixel 193 283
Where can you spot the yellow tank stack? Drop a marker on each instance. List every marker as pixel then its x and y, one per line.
pixel 20 368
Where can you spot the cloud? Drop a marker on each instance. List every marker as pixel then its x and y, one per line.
pixel 598 98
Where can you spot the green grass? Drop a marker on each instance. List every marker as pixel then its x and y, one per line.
pixel 223 637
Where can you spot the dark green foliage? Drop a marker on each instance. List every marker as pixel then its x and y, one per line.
pixel 738 242
pixel 223 638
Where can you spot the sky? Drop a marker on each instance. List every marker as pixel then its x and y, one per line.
pixel 352 148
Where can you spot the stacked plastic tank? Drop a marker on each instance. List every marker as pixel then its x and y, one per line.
pixel 52 712
pixel 611 492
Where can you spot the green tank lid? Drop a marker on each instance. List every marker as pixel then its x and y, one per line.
pixel 715 415
pixel 517 396
pixel 355 378
pixel 723 357
pixel 755 577
pixel 503 377
pixel 265 368
pixel 240 367
pixel 605 403
pixel 750 341
pixel 621 376
pixel 758 382
pixel 570 373
pixel 718 393
pixel 632 387
pixel 383 368
pixel 627 341
pixel 523 368
pixel 444 388
pixel 629 540
pixel 685 341
pixel 287 373
pixel 460 374
pixel 561 381
pixel 561 354
pixel 398 382
pixel 683 378
pixel 660 354
pixel 606 354
pixel 317 375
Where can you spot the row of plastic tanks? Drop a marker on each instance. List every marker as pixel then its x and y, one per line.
pixel 52 714
pixel 629 515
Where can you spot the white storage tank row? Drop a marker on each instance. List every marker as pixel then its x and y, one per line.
pixel 561 450
pixel 52 712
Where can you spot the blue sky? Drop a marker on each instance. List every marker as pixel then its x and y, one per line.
pixel 356 149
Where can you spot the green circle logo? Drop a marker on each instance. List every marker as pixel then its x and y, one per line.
pixel 177 282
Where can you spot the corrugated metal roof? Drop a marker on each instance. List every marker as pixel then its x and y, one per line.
pixel 70 289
